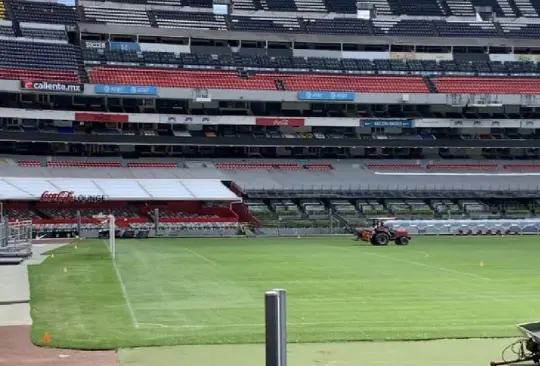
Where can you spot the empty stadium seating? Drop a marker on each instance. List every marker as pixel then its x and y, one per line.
pixel 268 166
pixel 226 80
pixel 394 166
pixel 311 64
pixel 388 7
pixel 161 165
pixel 262 165
pixel 43 33
pixel 522 167
pixel 120 16
pixel 179 79
pixel 208 21
pixel 463 166
pixel 297 82
pixel 487 85
pixel 379 84
pixel 318 166
pixel 29 163
pixel 44 12
pixel 38 61
pixel 83 164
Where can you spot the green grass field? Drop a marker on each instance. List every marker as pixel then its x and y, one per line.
pixel 206 291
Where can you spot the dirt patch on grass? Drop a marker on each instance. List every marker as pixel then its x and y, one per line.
pixel 17 350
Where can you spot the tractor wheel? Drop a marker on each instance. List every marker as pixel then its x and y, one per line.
pixel 402 241
pixel 381 239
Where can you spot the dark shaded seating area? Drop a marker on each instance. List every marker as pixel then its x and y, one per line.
pixel 43 12
pixel 38 61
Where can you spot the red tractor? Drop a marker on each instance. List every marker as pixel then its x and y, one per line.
pixel 381 234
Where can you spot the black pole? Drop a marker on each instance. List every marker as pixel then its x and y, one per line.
pixel 271 309
pixel 282 319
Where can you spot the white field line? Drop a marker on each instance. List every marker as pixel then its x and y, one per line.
pixel 206 259
pixel 443 269
pixel 134 320
pixel 497 323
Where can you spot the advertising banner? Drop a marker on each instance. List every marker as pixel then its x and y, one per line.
pixel 101 117
pixel 277 121
pixel 70 197
pixel 54 87
pixel 124 46
pixel 125 89
pixel 383 123
pixel 325 95
pixel 100 45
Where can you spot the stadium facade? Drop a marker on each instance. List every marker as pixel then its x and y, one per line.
pixel 316 114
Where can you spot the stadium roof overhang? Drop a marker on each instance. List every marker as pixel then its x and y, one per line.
pixel 72 190
pixel 305 38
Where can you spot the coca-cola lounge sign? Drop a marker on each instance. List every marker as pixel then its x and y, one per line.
pixel 70 197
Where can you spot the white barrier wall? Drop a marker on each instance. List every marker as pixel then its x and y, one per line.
pixel 468 227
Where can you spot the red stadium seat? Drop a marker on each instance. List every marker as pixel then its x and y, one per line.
pixel 38 75
pixel 463 166
pixel 522 167
pixel 394 166
pixel 318 166
pixel 169 165
pixel 230 80
pixel 500 85
pixel 29 163
pixel 84 164
pixel 375 84
pixel 246 166
pixel 179 79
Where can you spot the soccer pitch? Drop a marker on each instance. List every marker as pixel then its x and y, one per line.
pixel 207 291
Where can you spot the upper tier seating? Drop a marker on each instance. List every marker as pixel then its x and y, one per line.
pixel 339 26
pixel 6 30
pixel 44 12
pixel 123 16
pixel 266 24
pixel 38 61
pixel 42 33
pixel 411 28
pixel 440 8
pixel 331 26
pixel 208 21
pixel 520 30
